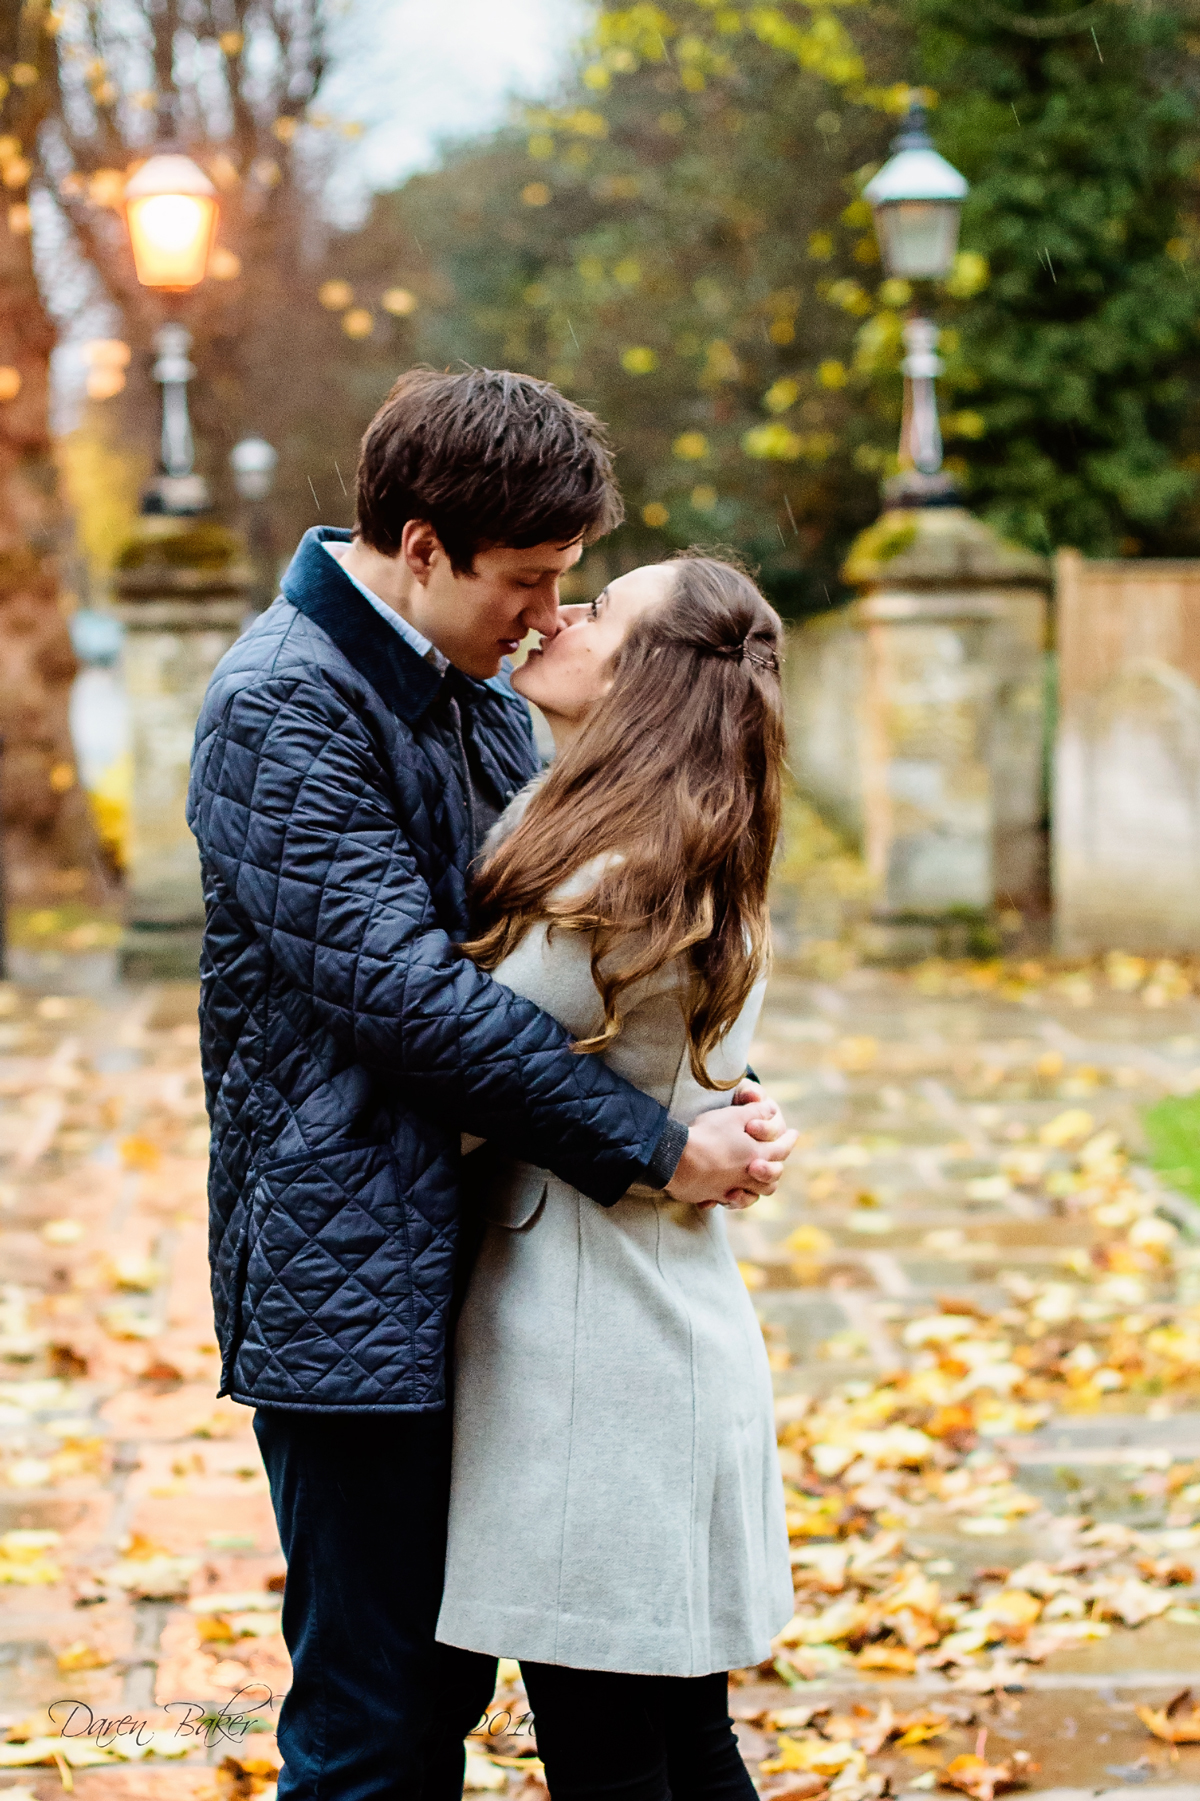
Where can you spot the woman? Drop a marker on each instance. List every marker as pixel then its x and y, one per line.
pixel 616 1518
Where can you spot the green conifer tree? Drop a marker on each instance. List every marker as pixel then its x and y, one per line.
pixel 1078 358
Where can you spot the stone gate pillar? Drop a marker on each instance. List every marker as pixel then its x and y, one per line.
pixel 939 674
pixel 179 622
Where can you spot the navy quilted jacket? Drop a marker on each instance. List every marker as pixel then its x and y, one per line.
pixel 345 1044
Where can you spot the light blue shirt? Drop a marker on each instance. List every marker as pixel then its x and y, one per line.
pixel 412 637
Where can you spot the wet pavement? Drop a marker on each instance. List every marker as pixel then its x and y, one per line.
pixel 957 1164
pixel 918 1097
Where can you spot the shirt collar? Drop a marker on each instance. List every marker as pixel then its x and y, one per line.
pixel 317 586
pixel 412 637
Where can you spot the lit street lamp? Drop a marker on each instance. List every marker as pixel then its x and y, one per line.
pixel 917 200
pixel 171 211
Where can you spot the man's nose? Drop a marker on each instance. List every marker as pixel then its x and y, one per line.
pixel 543 613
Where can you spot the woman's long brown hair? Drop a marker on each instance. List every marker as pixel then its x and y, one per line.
pixel 678 771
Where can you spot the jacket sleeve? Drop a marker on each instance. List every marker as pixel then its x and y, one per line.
pixel 299 830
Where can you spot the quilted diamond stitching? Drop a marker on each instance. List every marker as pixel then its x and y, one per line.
pixel 335 1013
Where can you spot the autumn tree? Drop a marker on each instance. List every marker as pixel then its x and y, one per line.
pixel 232 82
pixel 88 91
pixel 657 243
pixel 48 843
pixel 682 243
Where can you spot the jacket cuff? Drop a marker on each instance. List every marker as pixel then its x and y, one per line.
pixel 667 1152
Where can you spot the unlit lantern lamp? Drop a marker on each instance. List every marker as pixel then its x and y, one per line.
pixel 253 463
pixel 917 201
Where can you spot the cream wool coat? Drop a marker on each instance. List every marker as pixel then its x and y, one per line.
pixel 616 1499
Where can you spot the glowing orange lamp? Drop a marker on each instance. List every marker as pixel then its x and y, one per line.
pixel 171 209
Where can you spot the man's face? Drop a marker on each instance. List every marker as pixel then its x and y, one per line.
pixel 477 619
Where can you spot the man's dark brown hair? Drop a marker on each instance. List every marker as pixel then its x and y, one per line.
pixel 487 458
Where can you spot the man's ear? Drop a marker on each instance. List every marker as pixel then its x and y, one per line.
pixel 418 545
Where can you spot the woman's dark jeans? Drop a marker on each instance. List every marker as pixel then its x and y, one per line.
pixel 377 1711
pixel 605 1737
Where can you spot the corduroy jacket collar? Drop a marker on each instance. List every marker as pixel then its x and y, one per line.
pixel 316 586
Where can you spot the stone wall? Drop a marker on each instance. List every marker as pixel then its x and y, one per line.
pixel 178 625
pixel 1127 771
pixel 917 717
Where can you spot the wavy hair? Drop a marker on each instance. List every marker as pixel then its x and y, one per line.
pixel 677 771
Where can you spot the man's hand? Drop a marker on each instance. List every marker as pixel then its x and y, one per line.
pixel 725 1160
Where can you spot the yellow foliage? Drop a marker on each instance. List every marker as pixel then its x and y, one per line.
pixel 969 275
pixel 639 359
pixel 690 446
pixel 585 123
pixel 641 31
pixel 773 442
pixel 103 480
pixel 781 395
pixel 894 292
pixel 824 48
pixel 849 296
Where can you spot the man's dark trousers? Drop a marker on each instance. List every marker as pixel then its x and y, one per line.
pixel 375 1710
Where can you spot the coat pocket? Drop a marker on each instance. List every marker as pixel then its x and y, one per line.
pixel 328 1294
pixel 514 1196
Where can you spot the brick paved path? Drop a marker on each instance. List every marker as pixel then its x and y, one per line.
pixel 139 1570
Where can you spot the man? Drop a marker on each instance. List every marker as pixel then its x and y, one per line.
pixel 353 748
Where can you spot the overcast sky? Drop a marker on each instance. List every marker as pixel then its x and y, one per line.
pixel 416 71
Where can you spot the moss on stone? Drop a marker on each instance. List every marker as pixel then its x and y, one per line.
pixel 196 544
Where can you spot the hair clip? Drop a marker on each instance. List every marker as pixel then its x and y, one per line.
pixel 770 662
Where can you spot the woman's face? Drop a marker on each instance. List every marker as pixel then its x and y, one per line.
pixel 571 670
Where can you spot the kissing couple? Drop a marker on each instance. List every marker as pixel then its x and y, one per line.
pixel 475 1040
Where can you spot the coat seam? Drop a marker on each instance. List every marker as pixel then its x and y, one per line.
pixel 562 1542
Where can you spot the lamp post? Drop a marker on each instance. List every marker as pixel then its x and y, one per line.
pixel 253 462
pixel 181 592
pixel 171 210
pixel 917 199
pixel 938 670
